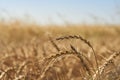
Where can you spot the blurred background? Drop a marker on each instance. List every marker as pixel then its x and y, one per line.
pixel 61 11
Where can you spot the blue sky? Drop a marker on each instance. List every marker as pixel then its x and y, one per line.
pixel 58 11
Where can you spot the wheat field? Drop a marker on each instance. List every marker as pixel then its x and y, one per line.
pixel 54 52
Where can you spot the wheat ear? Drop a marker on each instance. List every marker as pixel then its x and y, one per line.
pixel 106 63
pixel 85 41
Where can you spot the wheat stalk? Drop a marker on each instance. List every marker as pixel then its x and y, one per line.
pixel 80 56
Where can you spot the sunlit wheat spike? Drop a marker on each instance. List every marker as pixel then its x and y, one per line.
pixel 82 60
pixel 74 37
pixel 85 41
pixel 106 63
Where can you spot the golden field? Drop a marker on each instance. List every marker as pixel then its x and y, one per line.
pixel 54 52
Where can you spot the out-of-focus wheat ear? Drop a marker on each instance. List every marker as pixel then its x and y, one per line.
pixel 44 52
pixel 86 42
pixel 52 60
pixel 21 67
pixel 82 60
pixel 20 77
pixel 35 51
pixel 23 52
pixel 5 72
pixel 54 44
